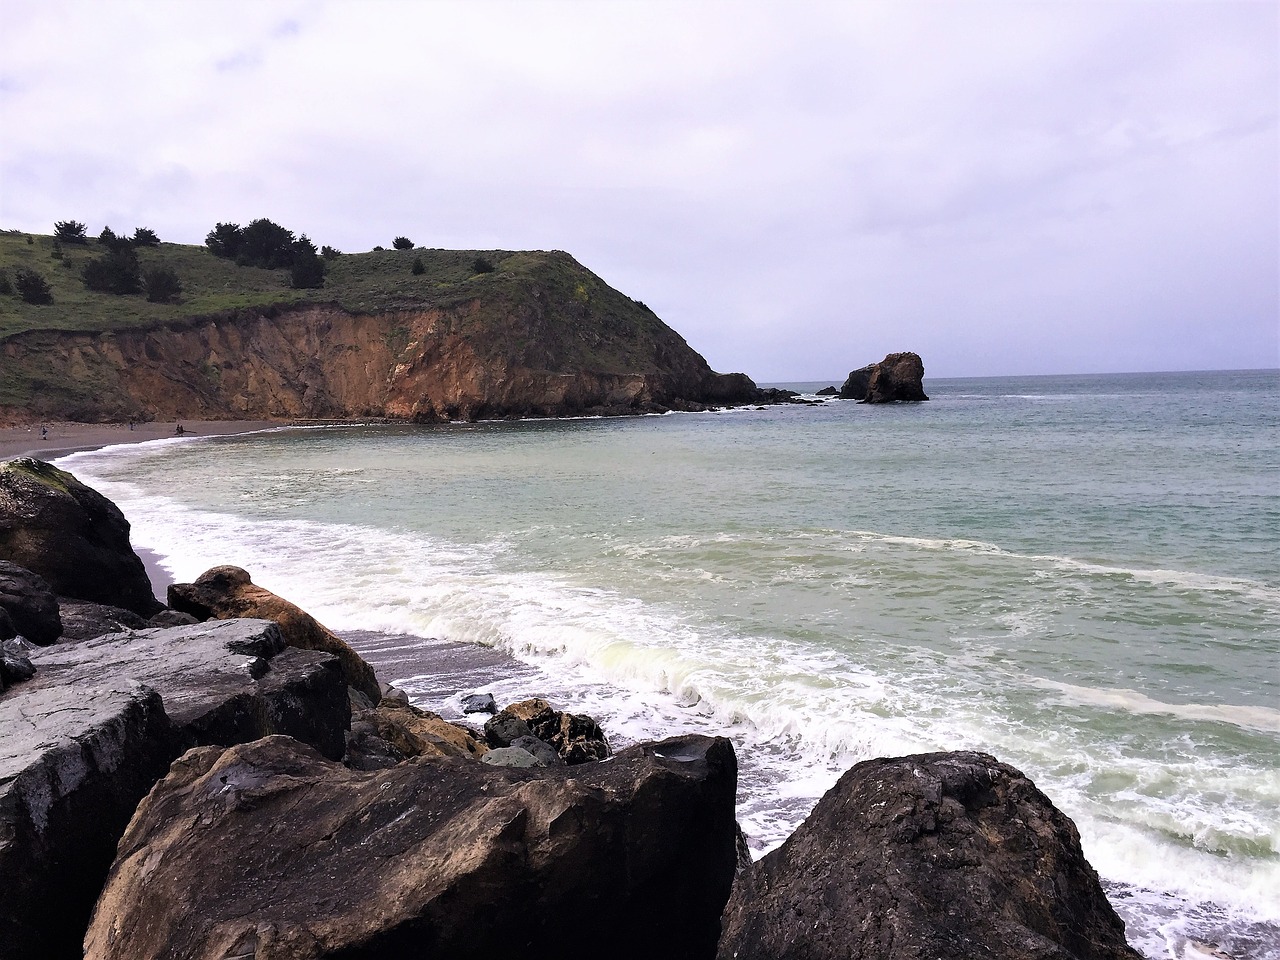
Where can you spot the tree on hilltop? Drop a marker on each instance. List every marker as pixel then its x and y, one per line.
pixel 225 240
pixel 70 231
pixel 307 270
pixel 402 243
pixel 266 244
pixel 145 237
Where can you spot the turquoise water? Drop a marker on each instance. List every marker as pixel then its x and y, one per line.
pixel 1078 574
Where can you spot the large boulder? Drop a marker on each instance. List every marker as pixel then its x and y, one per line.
pixel 30 603
pixel 87 736
pixel 84 620
pixel 224 592
pixel 944 855
pixel 71 535
pixel 267 850
pixel 898 377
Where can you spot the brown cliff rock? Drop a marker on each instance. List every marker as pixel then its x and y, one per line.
pixel 549 340
pixel 226 592
pixel 944 855
pixel 266 850
pixel 72 536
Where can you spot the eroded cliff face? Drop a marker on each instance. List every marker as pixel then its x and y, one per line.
pixel 322 362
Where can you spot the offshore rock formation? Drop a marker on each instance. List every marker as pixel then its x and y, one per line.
pixel 555 342
pixel 898 377
pixel 267 850
pixel 945 855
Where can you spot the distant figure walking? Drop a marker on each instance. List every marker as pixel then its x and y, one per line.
pixel 44 433
pixel 179 431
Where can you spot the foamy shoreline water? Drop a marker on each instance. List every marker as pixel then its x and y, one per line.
pixel 809 641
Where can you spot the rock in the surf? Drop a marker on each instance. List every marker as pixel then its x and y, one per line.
pixel 479 703
pixel 414 732
pixel 72 536
pixel 944 855
pixel 267 849
pixel 30 603
pixel 576 737
pixel 224 592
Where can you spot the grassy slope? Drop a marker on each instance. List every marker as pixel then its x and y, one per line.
pixel 542 307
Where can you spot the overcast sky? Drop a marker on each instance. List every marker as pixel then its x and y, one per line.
pixel 798 188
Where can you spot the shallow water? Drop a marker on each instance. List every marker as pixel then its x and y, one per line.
pixel 1077 574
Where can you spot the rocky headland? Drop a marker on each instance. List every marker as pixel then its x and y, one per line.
pixel 223 777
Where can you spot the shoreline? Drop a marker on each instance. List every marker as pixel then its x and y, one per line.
pixel 66 437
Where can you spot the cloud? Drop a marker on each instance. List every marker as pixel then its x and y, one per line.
pixel 1006 187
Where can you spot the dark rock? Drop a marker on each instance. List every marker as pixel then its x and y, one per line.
pixel 828 392
pixel 393 693
pixel 543 751
pixel 30 603
pixel 15 663
pixel 99 723
pixel 479 703
pixel 71 535
pixel 172 618
pixel 75 759
pixel 898 377
pixel 226 592
pixel 503 729
pixel 366 749
pixel 267 850
pixel 855 387
pixel 83 620
pixel 7 630
pixel 944 855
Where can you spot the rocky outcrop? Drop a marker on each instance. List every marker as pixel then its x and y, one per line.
pixel 573 738
pixel 82 620
pixel 898 377
pixel 29 603
pixel 100 722
pixel 947 855
pixel 267 850
pixel 71 535
pixel 226 592
pixel 412 732
pixel 547 339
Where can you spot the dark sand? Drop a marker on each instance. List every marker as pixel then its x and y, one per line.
pixel 64 437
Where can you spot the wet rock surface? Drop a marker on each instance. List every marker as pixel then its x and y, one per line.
pixel 948 856
pixel 29 603
pixel 268 850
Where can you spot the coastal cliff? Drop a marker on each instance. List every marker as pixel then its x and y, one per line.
pixel 540 336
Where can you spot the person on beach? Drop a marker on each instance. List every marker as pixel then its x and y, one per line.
pixel 179 431
pixel 44 433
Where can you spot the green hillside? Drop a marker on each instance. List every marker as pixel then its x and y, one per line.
pixel 376 282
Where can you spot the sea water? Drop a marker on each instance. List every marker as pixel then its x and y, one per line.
pixel 1076 574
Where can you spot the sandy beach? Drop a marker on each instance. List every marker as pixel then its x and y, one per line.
pixel 64 437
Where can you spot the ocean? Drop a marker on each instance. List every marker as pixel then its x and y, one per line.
pixel 1078 574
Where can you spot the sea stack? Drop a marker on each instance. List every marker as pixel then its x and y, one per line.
pixel 898 377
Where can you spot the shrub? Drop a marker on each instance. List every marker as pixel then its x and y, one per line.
pixel 266 244
pixel 481 265
pixel 378 249
pixel 402 243
pixel 145 237
pixel 307 271
pixel 330 253
pixel 107 236
pixel 162 285
pixel 419 267
pixel 6 285
pixel 116 271
pixel 70 231
pixel 30 239
pixel 57 251
pixel 32 287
